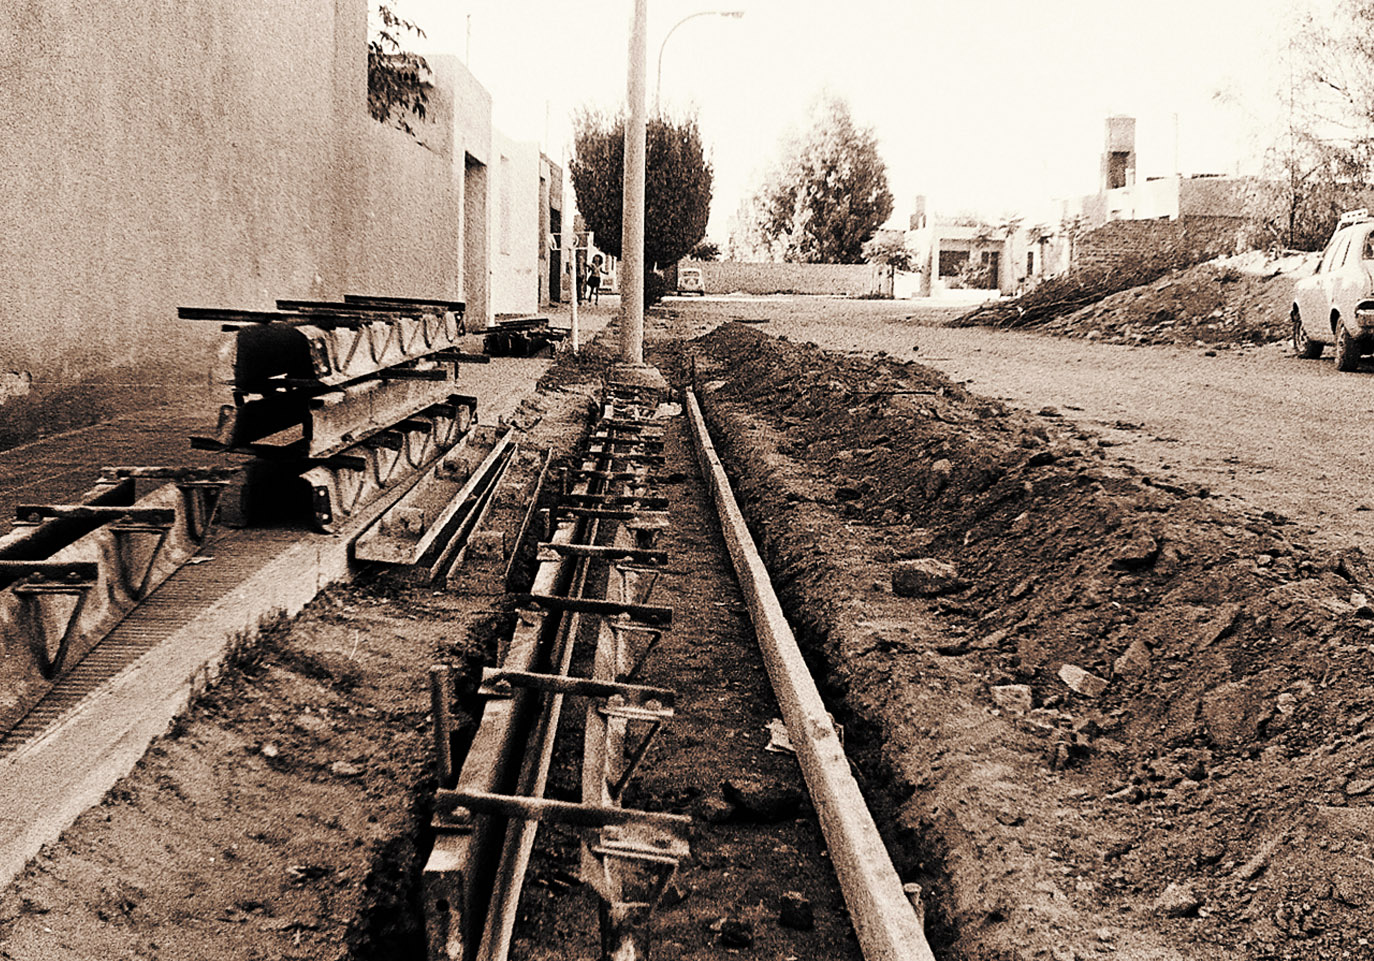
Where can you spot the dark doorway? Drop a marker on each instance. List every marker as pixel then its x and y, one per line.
pixel 556 258
pixel 992 260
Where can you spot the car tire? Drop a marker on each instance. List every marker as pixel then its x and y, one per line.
pixel 1304 346
pixel 1347 350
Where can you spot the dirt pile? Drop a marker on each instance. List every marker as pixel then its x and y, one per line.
pixel 1128 718
pixel 1232 302
pixel 279 818
pixel 1212 304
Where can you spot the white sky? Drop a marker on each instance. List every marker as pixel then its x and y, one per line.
pixel 990 106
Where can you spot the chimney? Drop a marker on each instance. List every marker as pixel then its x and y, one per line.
pixel 918 216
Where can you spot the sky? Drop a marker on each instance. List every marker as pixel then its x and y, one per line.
pixel 984 106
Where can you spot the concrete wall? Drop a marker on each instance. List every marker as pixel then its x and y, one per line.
pixel 159 153
pixel 550 225
pixel 516 227
pixel 727 277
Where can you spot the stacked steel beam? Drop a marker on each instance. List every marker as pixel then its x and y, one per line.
pixel 353 397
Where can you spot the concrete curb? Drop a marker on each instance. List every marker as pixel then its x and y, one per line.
pixel 884 919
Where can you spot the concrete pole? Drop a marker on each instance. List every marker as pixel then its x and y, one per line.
pixel 632 217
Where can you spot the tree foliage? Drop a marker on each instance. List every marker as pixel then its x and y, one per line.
pixel 677 183
pixel 829 194
pixel 1325 158
pixel 706 250
pixel 397 80
pixel 889 249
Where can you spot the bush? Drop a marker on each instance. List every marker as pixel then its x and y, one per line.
pixel 654 288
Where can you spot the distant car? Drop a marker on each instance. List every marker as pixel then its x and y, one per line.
pixel 1336 304
pixel 689 281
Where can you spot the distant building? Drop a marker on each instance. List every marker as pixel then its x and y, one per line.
pixel 1202 214
pixel 970 252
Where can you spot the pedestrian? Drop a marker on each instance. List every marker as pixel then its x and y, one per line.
pixel 594 280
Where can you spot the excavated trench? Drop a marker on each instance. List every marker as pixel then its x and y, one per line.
pixel 1093 709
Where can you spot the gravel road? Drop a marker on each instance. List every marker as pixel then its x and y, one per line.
pixel 1256 425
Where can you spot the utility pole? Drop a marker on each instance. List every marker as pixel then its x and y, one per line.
pixel 632 218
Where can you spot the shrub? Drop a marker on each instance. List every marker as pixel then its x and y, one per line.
pixel 654 288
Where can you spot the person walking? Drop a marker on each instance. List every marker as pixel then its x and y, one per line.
pixel 594 280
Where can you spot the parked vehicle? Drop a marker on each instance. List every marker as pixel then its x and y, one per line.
pixel 689 281
pixel 1336 304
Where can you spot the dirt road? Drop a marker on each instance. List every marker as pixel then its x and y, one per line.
pixel 1257 425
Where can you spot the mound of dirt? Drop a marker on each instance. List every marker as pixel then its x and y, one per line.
pixel 1098 710
pixel 1212 304
pixel 1238 301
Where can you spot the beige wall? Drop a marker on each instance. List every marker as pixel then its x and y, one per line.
pixel 515 224
pixel 725 277
pixel 159 153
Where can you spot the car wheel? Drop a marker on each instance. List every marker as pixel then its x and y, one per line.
pixel 1347 351
pixel 1303 345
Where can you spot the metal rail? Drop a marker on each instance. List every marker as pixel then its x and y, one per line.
pixel 489 809
pixel 884 919
pixel 70 572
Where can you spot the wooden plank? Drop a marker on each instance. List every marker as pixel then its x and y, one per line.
pixel 884 919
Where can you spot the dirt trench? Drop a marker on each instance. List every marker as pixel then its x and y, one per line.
pixel 1122 722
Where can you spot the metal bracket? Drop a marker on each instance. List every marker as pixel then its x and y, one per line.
pixel 601 608
pixel 461 807
pixel 498 682
pixel 37 513
pixel 639 518
pixel 622 628
pixel 639 502
pixel 77 583
pixel 549 551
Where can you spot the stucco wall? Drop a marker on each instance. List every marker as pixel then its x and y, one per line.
pixel 213 152
pixel 407 243
pixel 515 226
pixel 163 153
pixel 726 277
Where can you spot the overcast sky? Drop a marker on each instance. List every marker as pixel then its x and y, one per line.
pixel 990 106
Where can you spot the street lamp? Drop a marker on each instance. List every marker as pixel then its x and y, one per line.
pixel 658 84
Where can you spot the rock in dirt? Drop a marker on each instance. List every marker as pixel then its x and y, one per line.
pixel 673 895
pixel 1178 901
pixel 761 800
pixel 925 577
pixel 1138 552
pixel 734 932
pixel 794 911
pixel 345 769
pixel 1015 698
pixel 1081 681
pixel 1134 660
pixel 715 810
pixel 1232 713
pixel 1357 788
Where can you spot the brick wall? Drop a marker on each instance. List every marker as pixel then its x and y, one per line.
pixel 1188 239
